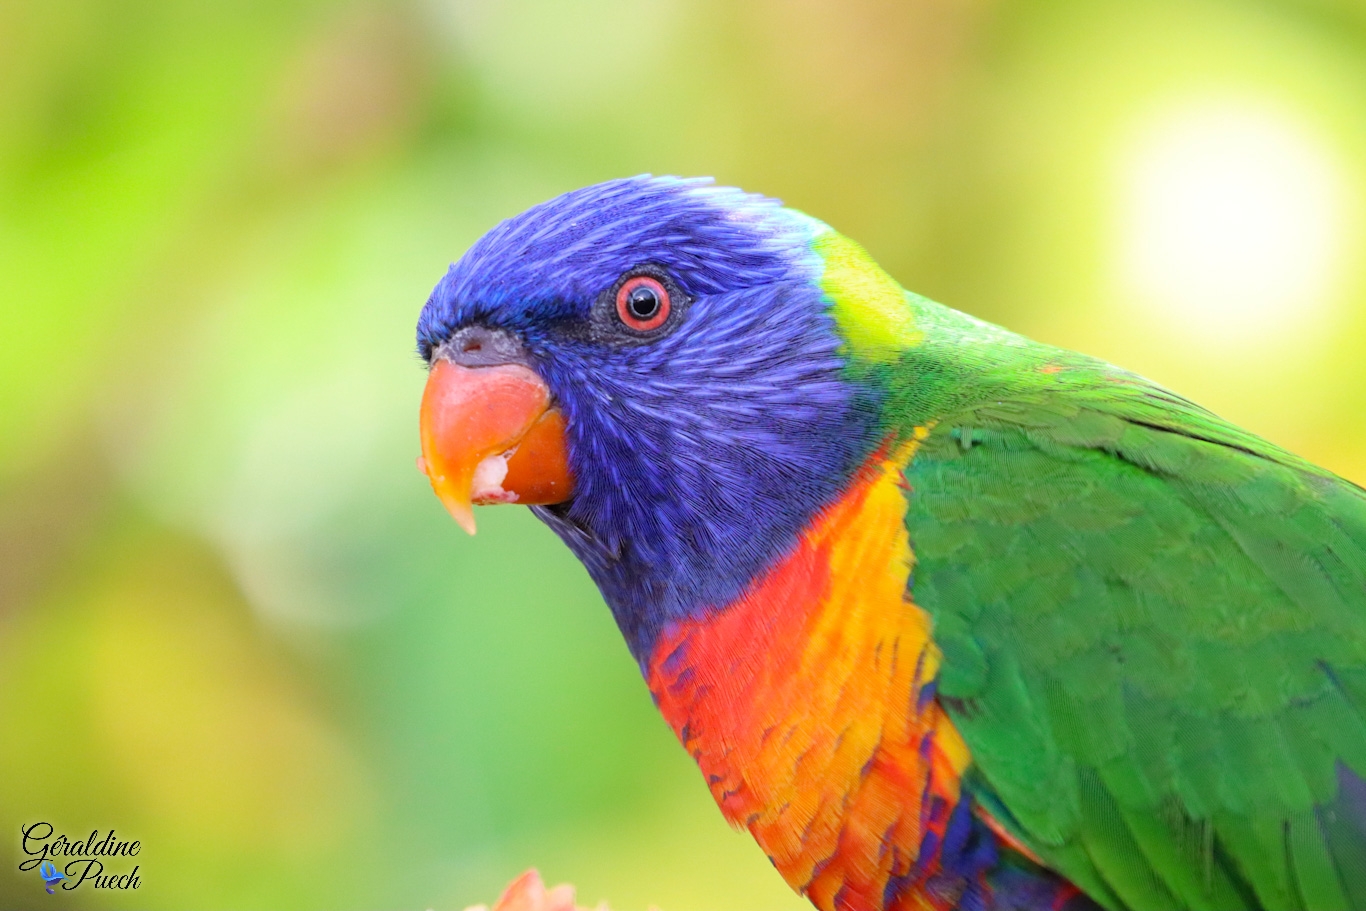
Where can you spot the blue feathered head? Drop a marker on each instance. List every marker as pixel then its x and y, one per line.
pixel 681 331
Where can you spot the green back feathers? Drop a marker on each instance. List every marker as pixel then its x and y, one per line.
pixel 1153 625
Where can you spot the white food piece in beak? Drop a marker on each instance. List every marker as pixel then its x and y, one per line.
pixel 488 480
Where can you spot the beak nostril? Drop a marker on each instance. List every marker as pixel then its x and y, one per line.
pixel 479 346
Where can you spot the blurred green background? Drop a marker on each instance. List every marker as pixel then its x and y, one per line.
pixel 234 622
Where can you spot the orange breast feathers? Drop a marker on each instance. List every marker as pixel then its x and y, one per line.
pixel 804 703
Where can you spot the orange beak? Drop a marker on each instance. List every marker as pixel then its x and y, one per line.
pixel 490 435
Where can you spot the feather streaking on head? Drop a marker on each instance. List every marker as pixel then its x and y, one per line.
pixel 744 401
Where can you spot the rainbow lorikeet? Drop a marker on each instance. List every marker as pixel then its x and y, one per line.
pixel 948 618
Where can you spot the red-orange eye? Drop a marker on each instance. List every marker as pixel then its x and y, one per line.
pixel 643 303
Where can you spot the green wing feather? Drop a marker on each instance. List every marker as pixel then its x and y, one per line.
pixel 1153 626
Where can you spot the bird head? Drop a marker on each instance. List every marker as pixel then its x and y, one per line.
pixel 675 376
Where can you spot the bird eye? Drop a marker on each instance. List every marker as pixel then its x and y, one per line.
pixel 643 303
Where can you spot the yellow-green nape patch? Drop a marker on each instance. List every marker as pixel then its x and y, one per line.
pixel 869 307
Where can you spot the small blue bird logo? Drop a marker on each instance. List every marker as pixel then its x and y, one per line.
pixel 51 875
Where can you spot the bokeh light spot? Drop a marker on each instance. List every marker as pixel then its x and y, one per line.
pixel 1231 220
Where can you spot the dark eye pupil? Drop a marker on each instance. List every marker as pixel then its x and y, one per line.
pixel 643 302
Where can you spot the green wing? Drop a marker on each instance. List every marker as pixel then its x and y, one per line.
pixel 1154 637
